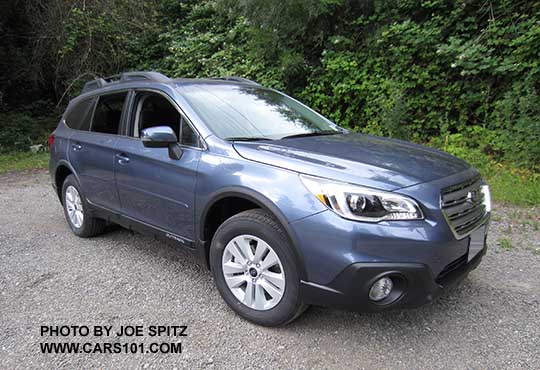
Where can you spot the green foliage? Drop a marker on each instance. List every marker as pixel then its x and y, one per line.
pixel 461 75
pixel 513 185
pixel 207 45
pixel 516 122
pixel 505 244
pixel 508 183
pixel 19 161
pixel 21 129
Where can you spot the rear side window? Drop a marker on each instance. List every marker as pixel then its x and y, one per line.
pixel 108 113
pixel 78 118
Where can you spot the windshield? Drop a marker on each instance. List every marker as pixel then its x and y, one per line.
pixel 247 112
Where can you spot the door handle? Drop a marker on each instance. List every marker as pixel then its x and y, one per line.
pixel 76 147
pixel 122 158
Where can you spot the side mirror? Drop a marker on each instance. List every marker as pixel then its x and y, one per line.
pixel 162 137
pixel 158 137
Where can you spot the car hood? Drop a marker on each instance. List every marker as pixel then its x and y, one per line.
pixel 356 158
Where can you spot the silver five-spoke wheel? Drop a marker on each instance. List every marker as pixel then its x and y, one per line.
pixel 74 206
pixel 253 272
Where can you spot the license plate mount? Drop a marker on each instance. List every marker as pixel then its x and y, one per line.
pixel 476 242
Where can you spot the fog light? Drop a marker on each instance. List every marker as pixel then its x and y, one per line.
pixel 381 289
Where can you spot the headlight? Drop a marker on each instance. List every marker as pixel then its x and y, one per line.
pixel 487 197
pixel 362 204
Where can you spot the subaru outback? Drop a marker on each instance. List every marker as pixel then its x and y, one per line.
pixel 286 208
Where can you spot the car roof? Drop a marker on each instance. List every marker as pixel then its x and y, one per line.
pixel 231 80
pixel 149 79
pixel 144 77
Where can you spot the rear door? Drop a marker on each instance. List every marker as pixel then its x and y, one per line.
pixel 154 188
pixel 92 153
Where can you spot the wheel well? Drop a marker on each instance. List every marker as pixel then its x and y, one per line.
pixel 222 210
pixel 227 207
pixel 60 176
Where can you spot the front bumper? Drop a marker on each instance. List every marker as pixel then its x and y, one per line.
pixel 343 258
pixel 414 285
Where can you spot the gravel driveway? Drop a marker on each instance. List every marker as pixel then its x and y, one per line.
pixel 48 276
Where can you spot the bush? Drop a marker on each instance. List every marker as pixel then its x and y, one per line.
pixel 516 120
pixel 21 129
pixel 508 183
pixel 430 70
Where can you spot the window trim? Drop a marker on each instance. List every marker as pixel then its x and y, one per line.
pixel 98 96
pixel 137 108
pixel 130 124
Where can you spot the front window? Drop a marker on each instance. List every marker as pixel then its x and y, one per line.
pixel 154 110
pixel 247 112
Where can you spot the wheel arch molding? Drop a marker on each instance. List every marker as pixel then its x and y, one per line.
pixel 257 199
pixel 63 164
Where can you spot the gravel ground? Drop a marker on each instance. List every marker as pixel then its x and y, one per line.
pixel 48 276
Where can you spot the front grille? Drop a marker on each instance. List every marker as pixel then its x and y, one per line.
pixel 463 205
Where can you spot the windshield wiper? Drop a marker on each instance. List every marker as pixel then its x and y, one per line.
pixel 315 133
pixel 247 138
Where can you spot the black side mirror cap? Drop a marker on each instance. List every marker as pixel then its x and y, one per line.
pixel 175 151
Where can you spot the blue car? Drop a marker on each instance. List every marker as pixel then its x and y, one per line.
pixel 286 208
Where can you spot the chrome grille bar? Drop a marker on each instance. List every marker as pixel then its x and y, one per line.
pixel 463 206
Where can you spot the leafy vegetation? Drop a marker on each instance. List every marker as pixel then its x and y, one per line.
pixel 463 76
pixel 505 244
pixel 19 161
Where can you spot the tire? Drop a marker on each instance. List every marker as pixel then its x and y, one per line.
pixel 256 229
pixel 87 225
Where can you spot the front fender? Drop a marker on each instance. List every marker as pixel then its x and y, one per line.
pixel 277 190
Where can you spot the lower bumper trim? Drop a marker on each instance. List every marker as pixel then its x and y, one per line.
pixel 350 288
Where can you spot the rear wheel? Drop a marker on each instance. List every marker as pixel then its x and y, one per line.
pixel 255 269
pixel 78 216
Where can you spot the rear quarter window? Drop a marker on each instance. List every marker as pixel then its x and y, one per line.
pixel 78 117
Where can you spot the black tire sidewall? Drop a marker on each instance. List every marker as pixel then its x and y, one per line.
pixel 287 309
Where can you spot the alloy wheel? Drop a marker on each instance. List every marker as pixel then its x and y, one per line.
pixel 253 272
pixel 74 206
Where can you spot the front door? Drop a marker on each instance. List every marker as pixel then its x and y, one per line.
pixel 154 188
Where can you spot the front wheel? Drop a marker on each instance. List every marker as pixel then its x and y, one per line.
pixel 255 269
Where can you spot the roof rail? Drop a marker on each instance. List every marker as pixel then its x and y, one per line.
pixel 94 84
pixel 124 77
pixel 236 79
